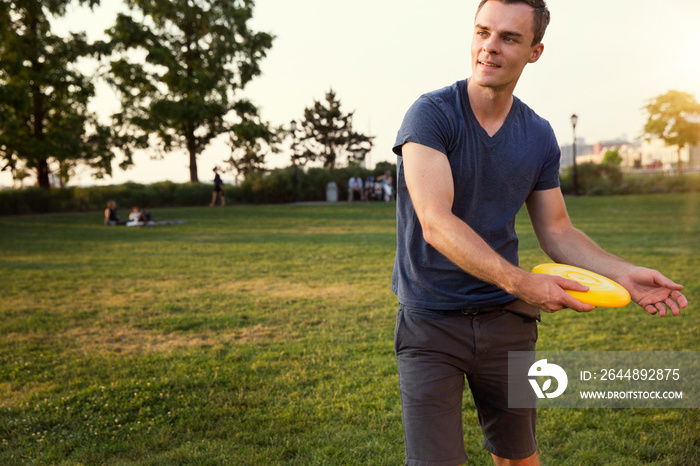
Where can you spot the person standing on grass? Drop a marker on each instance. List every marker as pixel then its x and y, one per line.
pixel 218 190
pixel 469 156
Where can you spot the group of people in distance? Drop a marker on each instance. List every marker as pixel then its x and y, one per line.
pixel 137 217
pixel 379 189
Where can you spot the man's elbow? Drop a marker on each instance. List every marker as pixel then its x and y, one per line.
pixel 428 235
pixel 431 229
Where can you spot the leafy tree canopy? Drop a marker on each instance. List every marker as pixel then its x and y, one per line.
pixel 328 135
pixel 612 157
pixel 250 143
pixel 45 125
pixel 670 120
pixel 195 57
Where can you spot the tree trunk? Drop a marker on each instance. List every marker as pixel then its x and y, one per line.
pixel 42 174
pixel 192 150
pixel 193 166
pixel 40 159
pixel 680 163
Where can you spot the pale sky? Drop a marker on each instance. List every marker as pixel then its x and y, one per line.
pixel 603 59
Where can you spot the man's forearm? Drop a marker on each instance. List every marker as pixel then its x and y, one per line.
pixel 574 247
pixel 457 241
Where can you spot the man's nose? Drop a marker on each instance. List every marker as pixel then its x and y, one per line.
pixel 490 45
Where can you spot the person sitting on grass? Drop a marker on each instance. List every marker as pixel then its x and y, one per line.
pixel 138 217
pixel 135 215
pixel 355 186
pixel 111 215
pixel 387 182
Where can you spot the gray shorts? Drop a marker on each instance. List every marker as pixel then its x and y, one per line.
pixel 435 351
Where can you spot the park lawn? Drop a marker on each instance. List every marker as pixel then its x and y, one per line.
pixel 264 335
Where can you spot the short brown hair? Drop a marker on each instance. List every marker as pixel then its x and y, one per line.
pixel 541 17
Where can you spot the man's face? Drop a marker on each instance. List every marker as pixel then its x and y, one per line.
pixel 501 45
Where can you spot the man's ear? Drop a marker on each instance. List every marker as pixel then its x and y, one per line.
pixel 536 52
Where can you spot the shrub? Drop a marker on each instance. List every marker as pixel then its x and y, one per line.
pixel 285 185
pixel 639 183
pixel 593 179
pixel 167 194
pixel 30 200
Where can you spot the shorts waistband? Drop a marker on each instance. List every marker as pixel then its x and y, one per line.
pixel 483 310
pixel 517 306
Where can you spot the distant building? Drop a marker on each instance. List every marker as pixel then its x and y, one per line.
pixel 652 154
pixel 628 151
pixel 567 152
pixel 655 154
pixel 694 156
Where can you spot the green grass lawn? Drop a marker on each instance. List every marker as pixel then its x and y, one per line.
pixel 264 335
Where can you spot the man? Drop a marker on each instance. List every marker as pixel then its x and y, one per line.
pixel 469 156
pixel 354 187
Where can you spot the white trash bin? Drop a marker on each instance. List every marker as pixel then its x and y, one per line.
pixel 332 192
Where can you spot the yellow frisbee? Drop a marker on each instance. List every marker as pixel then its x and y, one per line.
pixel 602 291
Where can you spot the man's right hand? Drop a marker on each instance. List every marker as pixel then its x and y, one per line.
pixel 547 292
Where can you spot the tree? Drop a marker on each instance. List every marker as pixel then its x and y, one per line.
pixel 45 125
pixel 327 134
pixel 196 56
pixel 669 120
pixel 612 157
pixel 250 143
pixel 246 159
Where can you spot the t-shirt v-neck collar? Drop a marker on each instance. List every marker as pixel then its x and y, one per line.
pixel 483 134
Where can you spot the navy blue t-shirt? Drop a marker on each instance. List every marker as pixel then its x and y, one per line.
pixel 493 176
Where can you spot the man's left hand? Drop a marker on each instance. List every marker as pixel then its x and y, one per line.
pixel 653 291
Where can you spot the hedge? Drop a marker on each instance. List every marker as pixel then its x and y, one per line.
pixel 603 179
pixel 289 185
pixel 277 186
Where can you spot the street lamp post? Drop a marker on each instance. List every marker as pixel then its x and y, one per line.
pixel 574 119
pixel 293 127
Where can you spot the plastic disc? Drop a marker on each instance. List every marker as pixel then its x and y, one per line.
pixel 602 292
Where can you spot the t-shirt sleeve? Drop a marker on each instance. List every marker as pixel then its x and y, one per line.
pixel 549 175
pixel 426 122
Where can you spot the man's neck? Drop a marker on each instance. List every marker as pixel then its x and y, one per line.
pixel 490 106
